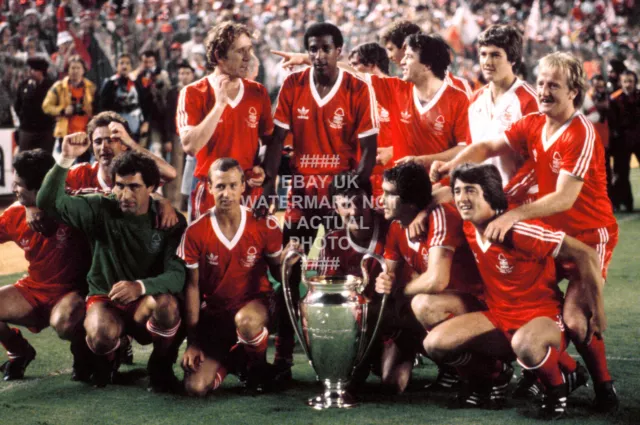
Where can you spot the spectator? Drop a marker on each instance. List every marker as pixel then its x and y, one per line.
pixel 596 109
pixel 625 129
pixel 70 100
pixel 197 40
pixel 173 65
pixel 36 128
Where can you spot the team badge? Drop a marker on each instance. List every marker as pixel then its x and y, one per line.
pixel 504 267
pixel 425 256
pixel 338 119
pixel 252 119
pixel 439 124
pixel 155 244
pixel 556 162
pixel 251 259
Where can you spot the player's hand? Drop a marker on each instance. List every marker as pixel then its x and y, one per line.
pixel 257 176
pixel 35 219
pixel 384 155
pixel 439 170
pixel 405 159
pixel 125 292
pixel 167 216
pixel 500 226
pixel 192 358
pixel 384 283
pixel 293 245
pixel 68 110
pixel 220 86
pixel 418 227
pixel 291 59
pixel 118 131
pixel 74 145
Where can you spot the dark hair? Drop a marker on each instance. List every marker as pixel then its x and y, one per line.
pixel 489 179
pixel 125 55
pixel 131 162
pixel 597 77
pixel 346 184
pixel 149 54
pixel 31 166
pixel 103 119
pixel 505 37
pixel 372 54
pixel 76 59
pixel 412 183
pixel 224 165
pixel 433 52
pixel 185 64
pixel 220 38
pixel 630 72
pixel 398 32
pixel 320 29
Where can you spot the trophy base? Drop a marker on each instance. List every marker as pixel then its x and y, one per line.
pixel 332 399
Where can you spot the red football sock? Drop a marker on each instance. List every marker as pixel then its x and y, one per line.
pixel 220 375
pixel 595 358
pixel 256 347
pixel 15 345
pixel 548 371
pixel 567 363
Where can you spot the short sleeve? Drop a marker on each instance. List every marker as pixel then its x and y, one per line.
pixel 461 132
pixel 190 111
pixel 516 136
pixel 366 122
pixel 530 106
pixel 577 151
pixel 273 246
pixel 445 228
pixel 519 187
pixel 76 177
pixel 266 119
pixel 4 227
pixel 282 117
pixel 536 239
pixel 392 246
pixel 189 250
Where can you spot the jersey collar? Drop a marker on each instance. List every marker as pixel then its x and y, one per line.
pixel 230 244
pixel 546 144
pixel 232 102
pixel 424 109
pixel 314 92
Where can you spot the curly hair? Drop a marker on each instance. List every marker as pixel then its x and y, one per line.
pixel 130 163
pixel 321 29
pixel 31 166
pixel 412 183
pixel 220 39
pixel 398 32
pixel 103 119
pixel 505 37
pixel 372 54
pixel 489 179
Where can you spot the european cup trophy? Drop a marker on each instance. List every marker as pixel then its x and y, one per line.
pixel 334 333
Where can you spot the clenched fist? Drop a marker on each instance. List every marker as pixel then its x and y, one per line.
pixel 74 145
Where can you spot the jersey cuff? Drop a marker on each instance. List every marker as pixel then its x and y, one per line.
pixel 506 140
pixel 368 133
pixel 563 171
pixel 65 162
pixel 192 266
pixel 275 254
pixel 447 247
pixel 144 289
pixel 281 124
pixel 556 251
pixel 462 143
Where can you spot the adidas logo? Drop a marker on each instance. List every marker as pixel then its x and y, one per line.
pixel 405 116
pixel 212 259
pixel 303 113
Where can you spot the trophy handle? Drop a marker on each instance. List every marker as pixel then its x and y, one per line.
pixel 365 282
pixel 286 289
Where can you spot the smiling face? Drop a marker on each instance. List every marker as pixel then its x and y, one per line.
pixel 236 64
pixel 227 188
pixel 394 52
pixel 132 194
pixel 25 196
pixel 554 95
pixel 494 63
pixel 106 148
pixel 471 204
pixel 412 69
pixel 323 55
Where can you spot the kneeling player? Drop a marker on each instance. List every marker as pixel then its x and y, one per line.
pixel 49 293
pixel 525 304
pixel 447 284
pixel 135 271
pixel 227 252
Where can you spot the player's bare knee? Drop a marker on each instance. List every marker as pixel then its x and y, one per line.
pixel 576 326
pixel 249 323
pixel 521 343
pixel 167 311
pixel 67 319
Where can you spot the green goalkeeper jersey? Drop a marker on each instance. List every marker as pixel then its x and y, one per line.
pixel 124 246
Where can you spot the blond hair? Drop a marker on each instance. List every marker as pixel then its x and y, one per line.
pixel 572 69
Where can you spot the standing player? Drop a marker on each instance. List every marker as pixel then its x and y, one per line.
pixel 435 120
pixel 225 115
pixel 329 113
pixel 573 193
pixel 50 292
pixel 227 252
pixel 524 302
pixel 135 272
pixel 447 283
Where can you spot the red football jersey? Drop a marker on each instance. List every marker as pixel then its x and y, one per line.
pixel 60 260
pixel 459 83
pixel 245 119
pixel 326 130
pixel 390 93
pixel 433 128
pixel 445 231
pixel 232 272
pixel 519 275
pixel 574 149
pixel 84 176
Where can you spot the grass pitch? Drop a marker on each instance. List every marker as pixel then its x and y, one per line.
pixel 47 396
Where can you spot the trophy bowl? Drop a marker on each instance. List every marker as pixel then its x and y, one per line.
pixel 333 333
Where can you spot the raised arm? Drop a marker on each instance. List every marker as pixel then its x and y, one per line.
pixel 474 153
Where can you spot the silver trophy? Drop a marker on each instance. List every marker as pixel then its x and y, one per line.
pixel 334 328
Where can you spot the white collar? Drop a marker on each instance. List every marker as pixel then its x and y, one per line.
pixel 546 144
pixel 423 109
pixel 230 244
pixel 232 102
pixel 314 92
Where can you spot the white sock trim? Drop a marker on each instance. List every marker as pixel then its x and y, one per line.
pixel 546 357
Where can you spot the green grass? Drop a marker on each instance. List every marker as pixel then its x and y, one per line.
pixel 47 396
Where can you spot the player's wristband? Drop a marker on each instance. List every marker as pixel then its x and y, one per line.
pixel 65 162
pixel 144 288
